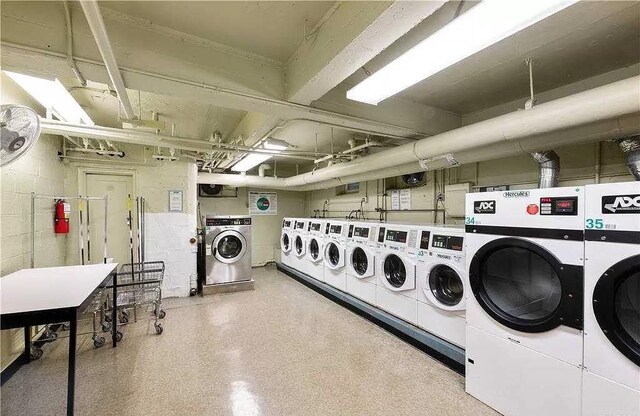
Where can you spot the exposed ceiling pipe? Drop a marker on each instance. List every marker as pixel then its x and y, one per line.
pixel 96 24
pixel 606 112
pixel 72 63
pixel 631 149
pixel 262 168
pixel 548 168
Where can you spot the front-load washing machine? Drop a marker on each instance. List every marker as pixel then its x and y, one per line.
pixel 298 248
pixel 228 248
pixel 396 271
pixel 334 254
pixel 611 373
pixel 286 242
pixel 441 275
pixel 361 247
pixel 315 243
pixel 524 252
pixel 300 244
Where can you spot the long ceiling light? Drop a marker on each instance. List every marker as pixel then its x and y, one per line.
pixel 484 25
pixel 254 159
pixel 52 95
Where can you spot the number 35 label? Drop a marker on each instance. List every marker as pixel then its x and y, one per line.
pixel 594 223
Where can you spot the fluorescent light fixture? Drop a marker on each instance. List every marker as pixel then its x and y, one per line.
pixel 54 96
pixel 484 25
pixel 254 159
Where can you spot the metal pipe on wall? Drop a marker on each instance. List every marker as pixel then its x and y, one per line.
pixel 631 149
pixel 548 168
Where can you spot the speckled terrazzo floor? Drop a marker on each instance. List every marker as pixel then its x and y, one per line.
pixel 279 350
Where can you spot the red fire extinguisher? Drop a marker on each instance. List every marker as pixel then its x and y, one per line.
pixel 61 217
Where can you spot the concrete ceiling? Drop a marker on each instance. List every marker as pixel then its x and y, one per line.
pixel 271 29
pixel 585 40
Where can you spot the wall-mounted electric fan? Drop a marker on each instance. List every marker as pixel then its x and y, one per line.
pixel 19 131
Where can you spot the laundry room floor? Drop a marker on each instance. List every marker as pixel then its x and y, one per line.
pixel 282 349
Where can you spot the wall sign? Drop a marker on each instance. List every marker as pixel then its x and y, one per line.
pixel 175 201
pixel 263 203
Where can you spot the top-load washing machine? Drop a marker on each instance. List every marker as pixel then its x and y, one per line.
pixel 611 374
pixel 334 253
pixel 299 246
pixel 228 248
pixel 441 273
pixel 396 271
pixel 524 252
pixel 361 248
pixel 286 242
pixel 315 242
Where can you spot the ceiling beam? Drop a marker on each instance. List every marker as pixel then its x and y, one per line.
pixel 348 37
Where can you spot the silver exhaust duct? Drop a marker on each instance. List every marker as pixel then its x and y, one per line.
pixel 548 168
pixel 631 149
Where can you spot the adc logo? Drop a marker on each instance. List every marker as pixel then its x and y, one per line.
pixel 484 207
pixel 621 204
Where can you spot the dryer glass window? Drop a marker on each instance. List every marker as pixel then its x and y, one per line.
pixel 334 254
pixel 359 261
pixel 299 244
pixel 314 249
pixel 229 246
pixel 394 270
pixel 446 285
pixel 627 306
pixel 285 241
pixel 521 283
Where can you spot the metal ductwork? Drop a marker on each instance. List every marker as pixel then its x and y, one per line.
pixel 631 149
pixel 548 168
pixel 578 118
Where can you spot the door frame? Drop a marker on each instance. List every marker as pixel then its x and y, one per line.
pixel 84 171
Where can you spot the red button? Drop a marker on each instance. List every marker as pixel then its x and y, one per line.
pixel 532 209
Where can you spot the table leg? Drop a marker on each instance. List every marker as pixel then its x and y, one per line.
pixel 71 377
pixel 114 312
pixel 27 344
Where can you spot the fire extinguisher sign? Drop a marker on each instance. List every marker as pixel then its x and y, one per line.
pixel 263 203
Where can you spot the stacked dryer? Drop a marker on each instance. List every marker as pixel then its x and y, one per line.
pixel 611 375
pixel 361 259
pixel 441 275
pixel 524 344
pixel 334 254
pixel 286 242
pixel 315 243
pixel 396 271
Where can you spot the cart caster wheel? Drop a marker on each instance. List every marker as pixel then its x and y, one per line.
pixel 193 291
pixel 98 342
pixel 107 318
pixel 124 319
pixel 66 327
pixel 125 313
pixel 106 327
pixel 36 353
pixel 162 314
pixel 159 329
pixel 118 336
pixel 49 336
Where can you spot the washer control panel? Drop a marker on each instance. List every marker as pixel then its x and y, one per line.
pixel 559 205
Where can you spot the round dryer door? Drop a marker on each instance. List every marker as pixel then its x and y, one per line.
pixel 394 271
pixel 299 246
pixel 229 246
pixel 446 285
pixel 359 261
pixel 314 249
pixel 524 287
pixel 616 304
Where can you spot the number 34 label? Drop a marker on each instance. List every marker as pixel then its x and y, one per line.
pixel 594 223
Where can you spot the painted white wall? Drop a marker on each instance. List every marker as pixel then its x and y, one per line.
pixel 577 168
pixel 167 233
pixel 41 172
pixel 265 243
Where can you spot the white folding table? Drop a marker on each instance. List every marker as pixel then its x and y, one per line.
pixel 54 294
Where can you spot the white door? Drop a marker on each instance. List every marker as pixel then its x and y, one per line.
pixel 118 188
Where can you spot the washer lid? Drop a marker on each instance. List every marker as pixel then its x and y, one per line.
pixel 229 246
pixel 525 287
pixel 616 305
